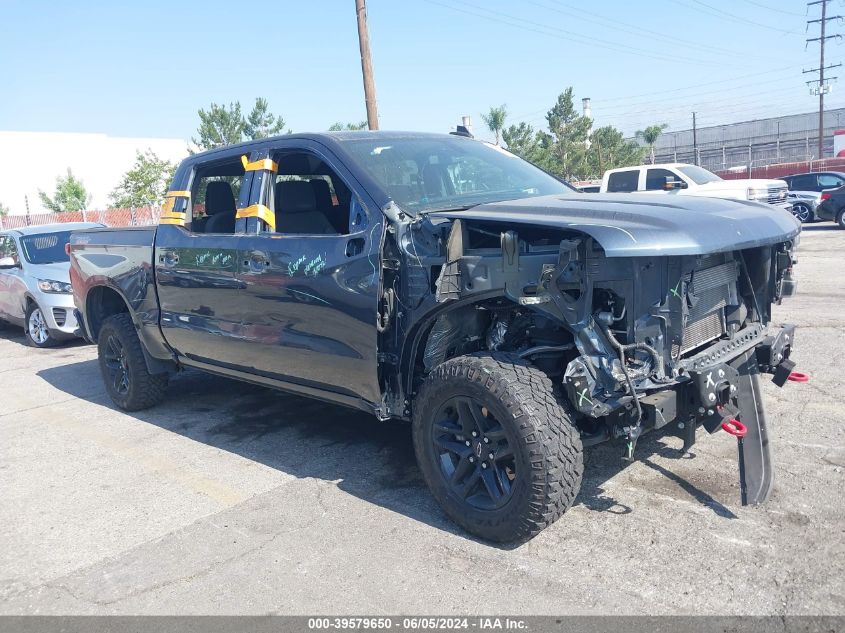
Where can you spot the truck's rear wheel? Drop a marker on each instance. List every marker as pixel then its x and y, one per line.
pixel 129 383
pixel 496 447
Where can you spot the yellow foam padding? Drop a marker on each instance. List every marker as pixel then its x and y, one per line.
pixel 258 165
pixel 178 194
pixel 258 211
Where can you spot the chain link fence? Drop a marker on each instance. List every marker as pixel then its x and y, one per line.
pixel 140 216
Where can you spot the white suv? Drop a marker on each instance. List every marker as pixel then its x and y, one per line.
pixel 691 180
pixel 35 287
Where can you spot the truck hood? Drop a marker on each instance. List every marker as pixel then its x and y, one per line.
pixel 627 226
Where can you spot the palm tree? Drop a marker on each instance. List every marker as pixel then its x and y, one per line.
pixel 650 136
pixel 495 120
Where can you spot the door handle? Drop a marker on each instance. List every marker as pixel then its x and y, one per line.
pixel 355 246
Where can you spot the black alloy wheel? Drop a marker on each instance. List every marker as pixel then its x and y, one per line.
pixel 117 366
pixel 474 455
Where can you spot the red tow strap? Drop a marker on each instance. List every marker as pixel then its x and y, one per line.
pixel 734 427
pixel 797 376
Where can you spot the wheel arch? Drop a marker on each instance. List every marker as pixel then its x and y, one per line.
pixel 102 302
pixel 417 337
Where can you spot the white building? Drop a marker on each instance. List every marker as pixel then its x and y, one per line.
pixel 30 161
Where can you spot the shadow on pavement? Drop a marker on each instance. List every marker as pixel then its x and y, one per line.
pixel 307 438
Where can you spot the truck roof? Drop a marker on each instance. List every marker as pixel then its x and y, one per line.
pixel 649 166
pixel 327 138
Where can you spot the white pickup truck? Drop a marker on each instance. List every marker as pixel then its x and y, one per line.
pixel 691 180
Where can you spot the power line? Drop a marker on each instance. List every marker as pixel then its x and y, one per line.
pixel 769 8
pixel 563 34
pixel 719 13
pixel 639 31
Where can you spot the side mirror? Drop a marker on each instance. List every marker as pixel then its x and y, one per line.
pixel 672 184
pixel 8 262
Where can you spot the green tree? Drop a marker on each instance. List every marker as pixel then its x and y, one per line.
pixel 4 210
pixel 339 127
pixel 224 125
pixel 70 195
pixel 145 183
pixel 610 149
pixel 525 142
pixel 569 131
pixel 650 136
pixel 220 126
pixel 260 123
pixel 494 119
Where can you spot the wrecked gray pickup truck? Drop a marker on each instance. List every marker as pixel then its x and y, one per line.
pixel 442 280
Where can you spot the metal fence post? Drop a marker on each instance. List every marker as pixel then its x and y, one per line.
pixel 132 219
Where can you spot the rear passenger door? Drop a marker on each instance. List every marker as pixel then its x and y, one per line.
pixel 311 276
pixel 196 264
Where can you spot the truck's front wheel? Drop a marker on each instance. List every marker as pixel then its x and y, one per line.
pixel 496 447
pixel 129 383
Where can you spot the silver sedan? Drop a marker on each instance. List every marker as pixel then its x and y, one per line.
pixel 35 289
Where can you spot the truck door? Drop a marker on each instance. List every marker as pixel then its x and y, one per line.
pixel 311 277
pixel 197 268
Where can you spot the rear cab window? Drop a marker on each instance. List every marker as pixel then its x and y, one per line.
pixel 623 181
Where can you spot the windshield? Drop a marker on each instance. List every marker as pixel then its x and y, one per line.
pixel 431 174
pixel 47 248
pixel 699 175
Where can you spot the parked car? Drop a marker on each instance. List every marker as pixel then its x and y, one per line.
pixel 805 191
pixel 451 284
pixel 815 181
pixel 832 206
pixel 587 186
pixel 691 180
pixel 35 287
pixel 804 204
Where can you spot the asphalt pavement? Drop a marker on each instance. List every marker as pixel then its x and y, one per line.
pixel 234 499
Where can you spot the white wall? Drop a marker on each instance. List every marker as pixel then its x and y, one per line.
pixel 30 161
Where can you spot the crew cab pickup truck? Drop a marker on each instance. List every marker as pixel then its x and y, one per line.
pixel 443 281
pixel 691 180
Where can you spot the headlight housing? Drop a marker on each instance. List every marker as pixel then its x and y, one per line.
pixel 54 287
pixel 759 194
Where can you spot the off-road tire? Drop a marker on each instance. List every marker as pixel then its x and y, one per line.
pixel 144 389
pixel 546 444
pixel 50 341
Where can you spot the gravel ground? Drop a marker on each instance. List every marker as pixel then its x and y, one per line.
pixel 231 498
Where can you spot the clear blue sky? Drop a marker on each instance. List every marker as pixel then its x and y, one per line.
pixel 143 68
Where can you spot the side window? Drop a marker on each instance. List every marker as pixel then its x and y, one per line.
pixel 804 183
pixel 829 181
pixel 309 198
pixel 656 178
pixel 214 195
pixel 8 248
pixel 623 181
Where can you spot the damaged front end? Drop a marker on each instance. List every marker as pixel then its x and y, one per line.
pixel 637 342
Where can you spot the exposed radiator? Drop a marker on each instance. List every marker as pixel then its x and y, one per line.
pixel 710 289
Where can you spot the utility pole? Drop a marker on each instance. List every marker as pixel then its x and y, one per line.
pixel 822 87
pixel 367 65
pixel 694 141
